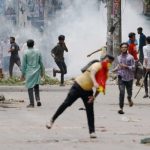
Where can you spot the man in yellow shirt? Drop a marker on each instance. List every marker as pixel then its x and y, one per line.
pixel 83 88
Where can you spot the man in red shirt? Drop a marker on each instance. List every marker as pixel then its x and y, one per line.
pixel 132 49
pixel 132 46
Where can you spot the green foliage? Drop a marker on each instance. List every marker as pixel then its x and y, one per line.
pixel 49 80
pixel 147 2
pixel 16 81
pixel 11 81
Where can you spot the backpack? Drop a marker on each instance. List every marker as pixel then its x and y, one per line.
pixel 88 65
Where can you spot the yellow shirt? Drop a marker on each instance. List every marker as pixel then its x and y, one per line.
pixel 85 80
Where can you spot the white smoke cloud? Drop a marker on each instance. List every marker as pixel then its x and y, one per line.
pixel 84 24
pixel 132 18
pixel 85 29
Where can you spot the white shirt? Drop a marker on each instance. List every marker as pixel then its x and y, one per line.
pixel 146 52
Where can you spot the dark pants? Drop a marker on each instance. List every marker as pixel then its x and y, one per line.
pixel 31 96
pixel 146 76
pixel 77 92
pixel 138 70
pixel 141 56
pixel 63 69
pixel 14 60
pixel 122 85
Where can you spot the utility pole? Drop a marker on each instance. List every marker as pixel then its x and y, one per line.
pixel 117 28
pixel 109 27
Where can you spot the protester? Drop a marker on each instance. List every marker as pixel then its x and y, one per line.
pixel 142 42
pixel 82 88
pixel 132 49
pixel 146 52
pixel 32 71
pixel 58 54
pixel 14 58
pixel 125 70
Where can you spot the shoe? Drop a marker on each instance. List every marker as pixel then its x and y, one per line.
pixel 30 106
pixel 145 96
pixel 120 112
pixel 54 72
pixel 49 126
pixel 39 103
pixel 130 103
pixel 93 135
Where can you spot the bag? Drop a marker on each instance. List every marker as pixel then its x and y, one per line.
pixel 89 64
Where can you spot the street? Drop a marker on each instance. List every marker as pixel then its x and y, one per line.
pixel 23 128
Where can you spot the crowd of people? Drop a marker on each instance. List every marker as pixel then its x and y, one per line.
pixel 133 63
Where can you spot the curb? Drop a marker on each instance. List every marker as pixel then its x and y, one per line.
pixel 52 88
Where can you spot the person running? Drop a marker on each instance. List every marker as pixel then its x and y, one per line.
pixel 125 68
pixel 142 42
pixel 146 52
pixel 82 88
pixel 58 54
pixel 32 71
pixel 14 58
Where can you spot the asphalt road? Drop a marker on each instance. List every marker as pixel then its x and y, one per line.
pixel 23 128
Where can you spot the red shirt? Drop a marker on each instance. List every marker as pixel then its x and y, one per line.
pixel 132 50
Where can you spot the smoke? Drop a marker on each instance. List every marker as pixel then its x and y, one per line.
pixel 84 23
pixel 132 18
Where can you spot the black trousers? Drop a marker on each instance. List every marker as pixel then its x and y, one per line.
pixel 146 76
pixel 31 95
pixel 14 60
pixel 122 85
pixel 77 92
pixel 63 69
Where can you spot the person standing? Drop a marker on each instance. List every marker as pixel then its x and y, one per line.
pixel 132 49
pixel 1 59
pixel 32 71
pixel 142 42
pixel 58 54
pixel 14 58
pixel 146 51
pixel 82 88
pixel 125 68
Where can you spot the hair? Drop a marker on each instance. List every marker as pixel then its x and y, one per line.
pixel 61 37
pixel 131 34
pixel 109 57
pixel 148 39
pixel 30 43
pixel 124 43
pixel 13 38
pixel 140 28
